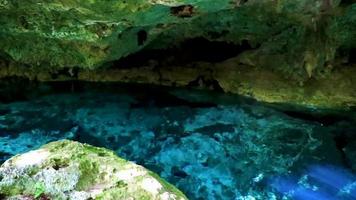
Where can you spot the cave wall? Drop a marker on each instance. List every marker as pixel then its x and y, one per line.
pixel 300 39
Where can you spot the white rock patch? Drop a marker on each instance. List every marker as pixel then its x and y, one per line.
pixel 57 181
pixel 130 174
pixel 151 185
pixel 79 195
pixel 165 2
pixel 31 158
pixel 167 196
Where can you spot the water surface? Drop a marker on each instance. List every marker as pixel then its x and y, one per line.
pixel 210 145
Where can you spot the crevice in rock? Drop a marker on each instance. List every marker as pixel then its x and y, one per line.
pixel 352 56
pixel 141 37
pixel 182 11
pixel 67 72
pixel 191 50
pixel 346 56
pixel 203 82
pixel 23 22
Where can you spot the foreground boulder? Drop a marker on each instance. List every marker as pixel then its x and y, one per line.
pixel 71 170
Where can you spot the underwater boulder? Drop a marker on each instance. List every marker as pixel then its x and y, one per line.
pixel 71 170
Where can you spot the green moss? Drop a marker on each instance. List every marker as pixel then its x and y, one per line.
pixel 10 190
pixel 121 184
pixel 53 35
pixel 32 171
pixel 39 190
pixel 89 172
pixel 56 148
pixel 100 151
pixel 59 163
pixel 24 185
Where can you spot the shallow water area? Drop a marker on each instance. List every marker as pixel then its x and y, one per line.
pixel 208 144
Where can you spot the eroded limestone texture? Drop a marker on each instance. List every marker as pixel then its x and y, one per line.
pixel 71 170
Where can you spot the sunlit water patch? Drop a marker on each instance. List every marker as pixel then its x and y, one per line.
pixel 210 145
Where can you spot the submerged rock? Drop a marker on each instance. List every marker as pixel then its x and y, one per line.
pixel 71 170
pixel 209 145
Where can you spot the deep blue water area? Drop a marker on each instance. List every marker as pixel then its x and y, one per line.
pixel 208 144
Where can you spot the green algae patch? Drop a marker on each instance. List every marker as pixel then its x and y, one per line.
pixel 89 172
pixel 71 170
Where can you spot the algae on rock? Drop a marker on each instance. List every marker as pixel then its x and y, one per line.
pixel 290 51
pixel 300 37
pixel 71 170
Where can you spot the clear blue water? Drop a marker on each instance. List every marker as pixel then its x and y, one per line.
pixel 210 145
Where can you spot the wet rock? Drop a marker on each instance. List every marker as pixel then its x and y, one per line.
pixel 71 170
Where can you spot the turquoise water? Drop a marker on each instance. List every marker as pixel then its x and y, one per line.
pixel 210 145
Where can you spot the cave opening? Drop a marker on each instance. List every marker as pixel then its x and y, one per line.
pixel 141 37
pixel 346 56
pixel 189 51
pixel 352 56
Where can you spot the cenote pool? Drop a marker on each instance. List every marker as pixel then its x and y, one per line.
pixel 210 145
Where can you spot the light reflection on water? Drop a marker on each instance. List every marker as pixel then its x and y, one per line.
pixel 325 182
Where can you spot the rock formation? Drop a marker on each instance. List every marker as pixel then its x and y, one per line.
pixel 71 170
pixel 299 52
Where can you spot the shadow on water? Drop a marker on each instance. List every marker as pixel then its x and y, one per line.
pixel 209 144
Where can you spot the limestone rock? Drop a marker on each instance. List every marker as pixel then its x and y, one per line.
pixel 71 170
pixel 299 52
pixel 87 34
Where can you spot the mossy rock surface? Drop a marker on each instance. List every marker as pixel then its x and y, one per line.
pixel 292 51
pixel 71 170
pixel 300 38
